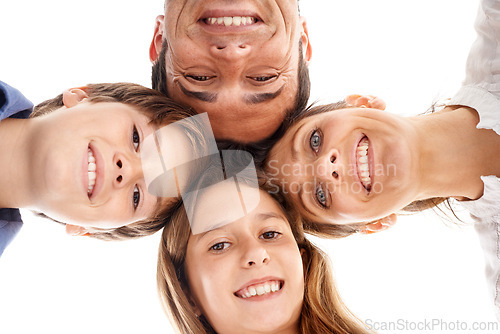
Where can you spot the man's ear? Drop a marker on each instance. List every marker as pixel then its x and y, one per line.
pixel 306 43
pixel 380 225
pixel 76 231
pixel 73 96
pixel 368 101
pixel 157 42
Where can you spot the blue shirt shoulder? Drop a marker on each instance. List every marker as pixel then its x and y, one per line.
pixel 12 104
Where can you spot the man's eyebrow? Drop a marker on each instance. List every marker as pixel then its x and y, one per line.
pixel 262 97
pixel 202 96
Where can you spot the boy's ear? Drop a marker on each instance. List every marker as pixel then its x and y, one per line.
pixel 306 43
pixel 73 96
pixel 380 225
pixel 76 231
pixel 157 42
pixel 367 101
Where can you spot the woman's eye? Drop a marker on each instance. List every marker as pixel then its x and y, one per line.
pixel 136 139
pixel 220 246
pixel 198 77
pixel 136 197
pixel 321 196
pixel 315 141
pixel 270 235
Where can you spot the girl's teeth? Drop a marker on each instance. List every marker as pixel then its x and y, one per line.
pixel 259 290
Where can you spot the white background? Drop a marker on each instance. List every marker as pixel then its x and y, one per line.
pixel 408 52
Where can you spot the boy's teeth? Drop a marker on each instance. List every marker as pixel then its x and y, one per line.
pixel 92 167
pixel 259 289
pixel 363 167
pixel 231 20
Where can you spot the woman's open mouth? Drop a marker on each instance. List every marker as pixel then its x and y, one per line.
pixel 363 163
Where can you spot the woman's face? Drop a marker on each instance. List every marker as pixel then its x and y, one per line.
pixel 247 276
pixel 348 165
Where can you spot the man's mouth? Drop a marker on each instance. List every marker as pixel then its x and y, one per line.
pixel 228 21
pixel 260 289
pixel 92 167
pixel 363 164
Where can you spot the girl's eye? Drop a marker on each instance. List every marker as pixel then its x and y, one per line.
pixel 136 139
pixel 136 197
pixel 320 196
pixel 220 246
pixel 270 235
pixel 315 141
pixel 198 77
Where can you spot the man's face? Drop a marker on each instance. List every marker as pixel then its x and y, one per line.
pixel 235 60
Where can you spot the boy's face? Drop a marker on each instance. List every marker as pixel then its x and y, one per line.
pixel 66 144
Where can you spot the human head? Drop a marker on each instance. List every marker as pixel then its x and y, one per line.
pixel 181 279
pixel 220 69
pixel 347 169
pixel 136 105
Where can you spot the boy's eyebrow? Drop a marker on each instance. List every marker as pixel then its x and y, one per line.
pixel 294 151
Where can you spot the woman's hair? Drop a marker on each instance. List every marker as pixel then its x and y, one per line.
pixel 162 111
pixel 322 311
pixel 337 230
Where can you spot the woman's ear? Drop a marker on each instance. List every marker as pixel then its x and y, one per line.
pixel 379 225
pixel 365 101
pixel 76 231
pixel 73 96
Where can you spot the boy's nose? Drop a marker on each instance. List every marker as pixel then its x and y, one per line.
pixel 127 170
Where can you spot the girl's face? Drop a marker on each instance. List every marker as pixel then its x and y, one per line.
pixel 247 276
pixel 87 167
pixel 347 165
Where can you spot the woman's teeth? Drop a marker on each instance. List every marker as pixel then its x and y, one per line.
pixel 231 20
pixel 92 175
pixel 363 167
pixel 259 289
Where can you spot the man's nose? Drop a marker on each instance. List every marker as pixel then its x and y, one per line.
pixel 230 51
pixel 127 169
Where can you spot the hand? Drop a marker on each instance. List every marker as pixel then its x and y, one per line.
pixel 365 101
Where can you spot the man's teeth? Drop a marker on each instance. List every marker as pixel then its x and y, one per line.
pixel 92 168
pixel 259 289
pixel 363 169
pixel 231 20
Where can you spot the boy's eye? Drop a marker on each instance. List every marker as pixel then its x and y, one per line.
pixel 136 139
pixel 270 235
pixel 315 141
pixel 321 196
pixel 136 197
pixel 220 246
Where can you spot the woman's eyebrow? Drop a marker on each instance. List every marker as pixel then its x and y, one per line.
pixel 294 150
